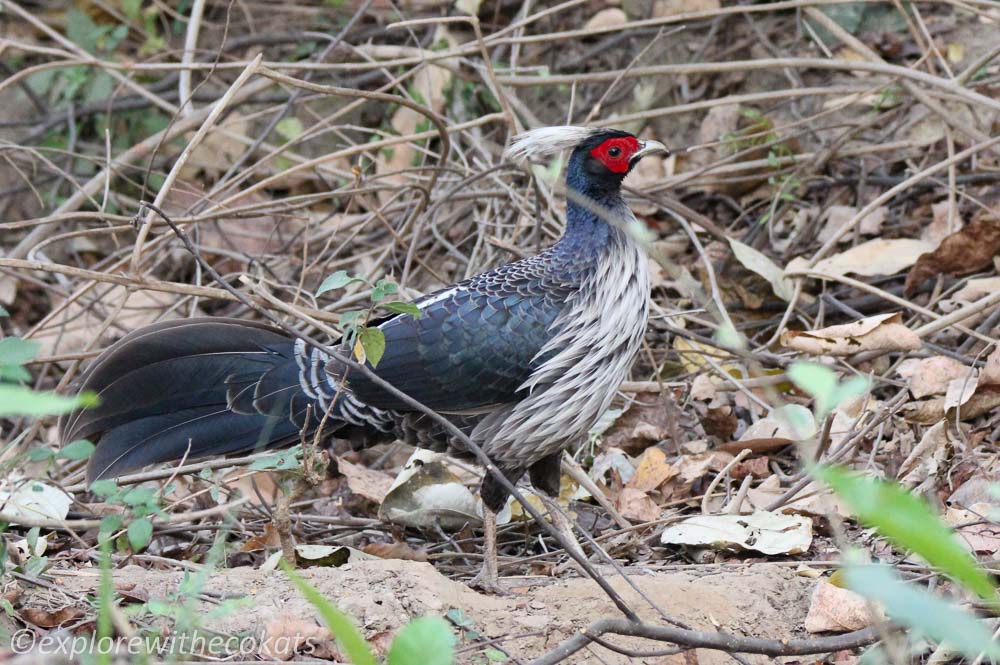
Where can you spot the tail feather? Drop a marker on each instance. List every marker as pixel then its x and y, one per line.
pixel 206 387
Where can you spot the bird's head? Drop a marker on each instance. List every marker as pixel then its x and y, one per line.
pixel 600 160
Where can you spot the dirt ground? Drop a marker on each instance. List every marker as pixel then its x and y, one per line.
pixel 763 599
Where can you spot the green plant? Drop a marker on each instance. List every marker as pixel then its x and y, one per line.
pixel 910 524
pixel 19 400
pixel 140 504
pixel 423 641
pixel 367 342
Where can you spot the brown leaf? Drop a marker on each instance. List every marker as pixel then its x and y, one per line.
pixel 884 332
pixel 368 483
pixel 651 471
pixel 756 467
pixel 930 376
pixel 268 540
pixel 395 550
pixel 836 610
pixel 756 446
pixel 646 422
pixel 132 593
pixel 636 506
pixel 966 251
pixel 990 376
pixel 45 619
pixel 285 635
pixel 720 422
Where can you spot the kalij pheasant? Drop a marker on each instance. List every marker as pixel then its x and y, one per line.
pixel 525 358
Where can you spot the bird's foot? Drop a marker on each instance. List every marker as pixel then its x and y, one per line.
pixel 488 584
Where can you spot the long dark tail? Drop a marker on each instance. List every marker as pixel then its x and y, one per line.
pixel 210 386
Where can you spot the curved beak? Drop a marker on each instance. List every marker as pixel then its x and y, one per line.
pixel 648 148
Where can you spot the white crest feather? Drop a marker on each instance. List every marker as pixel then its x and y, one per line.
pixel 545 142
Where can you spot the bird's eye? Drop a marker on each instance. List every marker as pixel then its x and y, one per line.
pixel 614 152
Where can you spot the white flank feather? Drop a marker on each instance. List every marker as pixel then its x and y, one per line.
pixel 545 142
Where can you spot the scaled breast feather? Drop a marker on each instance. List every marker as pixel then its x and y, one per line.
pixel 545 141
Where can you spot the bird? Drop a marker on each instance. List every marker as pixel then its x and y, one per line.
pixel 524 358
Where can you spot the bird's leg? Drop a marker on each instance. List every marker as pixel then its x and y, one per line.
pixel 488 579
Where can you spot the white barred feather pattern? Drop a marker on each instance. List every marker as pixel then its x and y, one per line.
pixel 545 142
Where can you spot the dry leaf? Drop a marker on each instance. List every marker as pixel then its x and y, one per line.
pixel 942 223
pixel 793 422
pixel 636 506
pixel 884 332
pixel 368 483
pixel 285 635
pixel 768 533
pixel 975 289
pixel 756 262
pixel 646 422
pixel 875 257
pixel 931 376
pixel 426 492
pixel 836 216
pixel 75 328
pixel 982 536
pixel 651 471
pixel 268 540
pixel 606 18
pixel 37 616
pixel 395 550
pixel 672 7
pixel 926 457
pixel 990 375
pixel 969 250
pixel 836 610
pixel 813 501
pixel 960 390
pixel 928 412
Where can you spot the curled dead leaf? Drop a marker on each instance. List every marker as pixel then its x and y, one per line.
pixel 931 376
pixel 368 483
pixel 42 618
pixel 395 550
pixel 969 250
pixel 875 257
pixel 884 332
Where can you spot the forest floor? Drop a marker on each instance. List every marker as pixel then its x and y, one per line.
pixel 823 244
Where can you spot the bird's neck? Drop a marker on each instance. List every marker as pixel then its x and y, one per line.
pixel 589 206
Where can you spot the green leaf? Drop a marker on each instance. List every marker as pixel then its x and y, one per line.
pixel 20 401
pixel 289 128
pixel 14 374
pixel 139 496
pixel 373 342
pixel 3 312
pixel 400 307
pixel 104 488
pixel 140 532
pixel 80 449
pixel 41 454
pixel 337 280
pixel 383 288
pixel 351 317
pixel 283 461
pixel 338 623
pixel 919 609
pixel 822 384
pixel 17 351
pixel 110 524
pixel 910 523
pixel 495 656
pixel 423 641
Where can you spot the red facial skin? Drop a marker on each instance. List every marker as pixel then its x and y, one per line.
pixel 616 153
